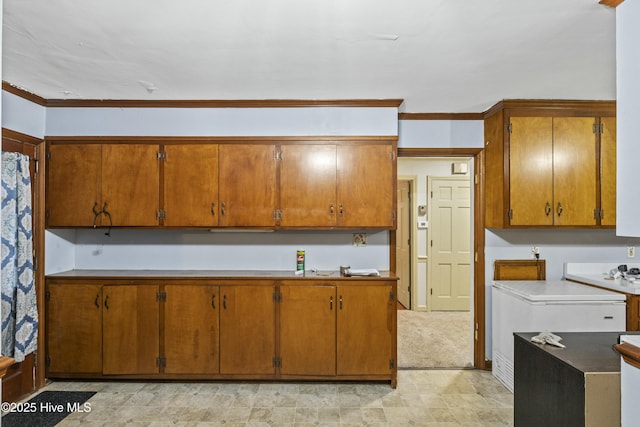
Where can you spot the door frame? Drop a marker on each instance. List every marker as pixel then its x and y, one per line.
pixel 479 293
pixel 429 247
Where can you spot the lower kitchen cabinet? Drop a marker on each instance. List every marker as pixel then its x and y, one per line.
pixel 366 327
pixel 247 329
pixel 191 329
pixel 308 329
pixel 130 329
pixel 73 328
pixel 173 328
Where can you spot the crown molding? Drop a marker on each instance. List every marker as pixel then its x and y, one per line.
pixel 440 116
pixel 611 3
pixel 8 87
pixel 221 103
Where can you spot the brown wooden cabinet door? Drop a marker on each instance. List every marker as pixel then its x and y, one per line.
pixel 574 171
pixel 608 171
pixel 247 329
pixel 74 328
pixel 531 171
pixel 73 184
pixel 130 184
pixel 365 329
pixel 131 329
pixel 191 185
pixel 308 330
pixel 366 190
pixel 308 185
pixel 247 185
pixel 191 333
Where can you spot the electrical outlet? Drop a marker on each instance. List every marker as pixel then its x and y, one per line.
pixel 631 251
pixel 360 239
pixel 535 251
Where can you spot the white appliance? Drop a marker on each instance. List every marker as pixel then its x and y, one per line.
pixel 629 386
pixel 554 306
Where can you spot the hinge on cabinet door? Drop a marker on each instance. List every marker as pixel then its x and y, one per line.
pixel 601 213
pixel 277 214
pixel 277 296
pixel 392 363
pixel 161 214
pixel 393 155
pixel 161 362
pixel 392 297
pixel 509 127
pixel 47 296
pixel 510 213
pixel 161 296
pixel 162 155
pixel 47 213
pixel 277 155
pixel 276 362
pixel 393 216
pixel 596 213
pixel 598 128
pixel 48 154
pixel 47 360
pixel 36 162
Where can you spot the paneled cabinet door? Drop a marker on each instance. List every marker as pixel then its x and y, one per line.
pixel 531 171
pixel 130 184
pixel 73 184
pixel 247 185
pixel 308 185
pixel 247 329
pixel 575 170
pixel 366 327
pixel 366 174
pixel 308 330
pixel 191 330
pixel 608 171
pixel 191 185
pixel 74 329
pixel 131 335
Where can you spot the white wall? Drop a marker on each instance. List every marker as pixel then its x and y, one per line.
pixel 23 116
pixel 441 134
pixel 628 113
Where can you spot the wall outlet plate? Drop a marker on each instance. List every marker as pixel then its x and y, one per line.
pixel 631 251
pixel 360 239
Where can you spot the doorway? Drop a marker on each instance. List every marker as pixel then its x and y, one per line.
pixel 403 243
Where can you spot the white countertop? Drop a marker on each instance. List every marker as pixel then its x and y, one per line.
pixel 556 290
pixel 597 274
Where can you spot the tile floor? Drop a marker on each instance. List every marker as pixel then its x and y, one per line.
pixel 422 398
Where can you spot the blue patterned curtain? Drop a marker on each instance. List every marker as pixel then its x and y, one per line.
pixel 19 309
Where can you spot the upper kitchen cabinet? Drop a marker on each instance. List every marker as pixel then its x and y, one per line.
pixel 73 191
pixel 247 185
pixel 102 185
pixel 190 185
pixel 547 164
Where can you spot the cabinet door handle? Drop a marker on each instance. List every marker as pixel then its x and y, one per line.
pixel 224 302
pixel 547 209
pixel 213 301
pixel 222 208
pixel 330 303
pixel 559 208
pixel 97 301
pixel 340 302
pixel 106 302
pixel 331 209
pixel 340 209
pixel 213 209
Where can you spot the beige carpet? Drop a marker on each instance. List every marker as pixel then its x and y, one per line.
pixel 436 339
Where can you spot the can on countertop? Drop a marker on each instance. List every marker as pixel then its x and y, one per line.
pixel 300 260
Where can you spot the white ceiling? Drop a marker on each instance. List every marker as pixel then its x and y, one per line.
pixel 438 55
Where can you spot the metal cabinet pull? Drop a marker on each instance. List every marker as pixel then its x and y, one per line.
pixel 224 302
pixel 547 209
pixel 97 301
pixel 213 209
pixel 559 208
pixel 213 301
pixel 106 302
pixel 340 302
pixel 331 209
pixel 330 303
pixel 222 209
pixel 340 209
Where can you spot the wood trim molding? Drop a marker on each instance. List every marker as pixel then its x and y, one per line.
pixel 438 152
pixel 8 87
pixel 20 137
pixel 629 352
pixel 223 139
pixel 594 107
pixel 221 103
pixel 611 3
pixel 441 116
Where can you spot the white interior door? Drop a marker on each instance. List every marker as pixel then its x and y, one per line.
pixel 449 243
